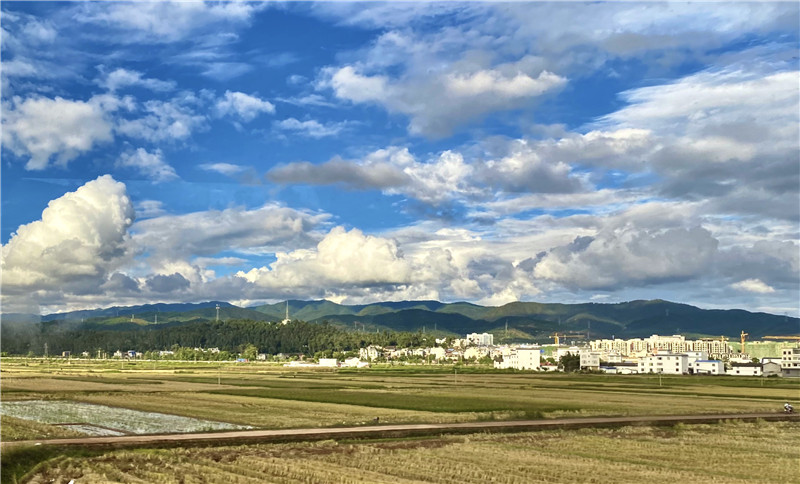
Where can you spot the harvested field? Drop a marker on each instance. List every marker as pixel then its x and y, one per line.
pixel 624 455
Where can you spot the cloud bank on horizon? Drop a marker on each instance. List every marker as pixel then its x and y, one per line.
pixel 252 152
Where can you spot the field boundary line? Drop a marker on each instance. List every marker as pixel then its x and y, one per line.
pixel 391 431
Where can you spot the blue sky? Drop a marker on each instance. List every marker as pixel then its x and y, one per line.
pixel 358 152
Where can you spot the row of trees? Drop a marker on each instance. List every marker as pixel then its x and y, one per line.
pixel 229 336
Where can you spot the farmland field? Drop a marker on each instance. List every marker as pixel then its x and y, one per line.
pixel 273 397
pixel 731 453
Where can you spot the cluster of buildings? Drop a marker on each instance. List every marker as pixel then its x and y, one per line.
pixel 673 355
pixel 639 347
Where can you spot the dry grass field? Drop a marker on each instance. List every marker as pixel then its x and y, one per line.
pixel 730 453
pixel 272 397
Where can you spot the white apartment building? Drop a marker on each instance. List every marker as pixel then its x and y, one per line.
pixel 664 362
pixel 590 360
pixel 708 367
pixel 521 359
pixel 370 353
pixel 790 361
pixel 675 344
pixel 483 339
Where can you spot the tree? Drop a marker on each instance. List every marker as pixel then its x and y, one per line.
pixel 250 351
pixel 570 363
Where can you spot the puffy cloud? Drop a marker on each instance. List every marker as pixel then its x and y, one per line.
pixel 311 128
pixel 243 106
pixel 494 83
pixel 342 259
pixel 753 285
pixel 151 165
pixel 122 78
pixel 523 169
pixel 41 128
pixel 167 283
pixel 628 255
pixel 440 180
pixel 165 121
pixel 81 237
pixel 729 135
pixel 259 231
pixel 165 21
pixel 463 93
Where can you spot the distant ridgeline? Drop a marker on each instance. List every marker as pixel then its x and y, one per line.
pixel 324 325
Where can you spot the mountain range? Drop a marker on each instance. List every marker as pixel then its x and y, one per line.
pixel 518 321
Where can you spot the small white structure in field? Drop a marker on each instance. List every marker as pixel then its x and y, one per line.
pixel 329 362
pixel 355 363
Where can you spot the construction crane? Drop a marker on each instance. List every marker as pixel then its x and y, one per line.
pixel 555 336
pixel 744 337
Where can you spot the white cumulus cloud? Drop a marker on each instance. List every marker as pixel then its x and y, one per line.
pixel 81 237
pixel 243 106
pixel 151 165
pixel 753 285
pixel 343 258
pixel 122 78
pixel 41 128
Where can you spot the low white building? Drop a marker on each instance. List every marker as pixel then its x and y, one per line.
pixel 621 368
pixel 745 369
pixel 769 368
pixel 328 362
pixel 476 352
pixel 708 367
pixel 664 362
pixel 483 339
pixel 438 352
pixel 694 356
pixel 521 359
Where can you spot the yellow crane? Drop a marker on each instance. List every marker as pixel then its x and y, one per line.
pixel 555 336
pixel 744 337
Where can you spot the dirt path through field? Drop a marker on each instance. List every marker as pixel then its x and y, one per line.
pixel 389 431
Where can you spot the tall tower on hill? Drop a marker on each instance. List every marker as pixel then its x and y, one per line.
pixel 287 320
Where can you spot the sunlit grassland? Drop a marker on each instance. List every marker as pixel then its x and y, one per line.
pixel 272 396
pixel 731 453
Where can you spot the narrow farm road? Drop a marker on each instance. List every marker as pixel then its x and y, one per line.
pixel 388 431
